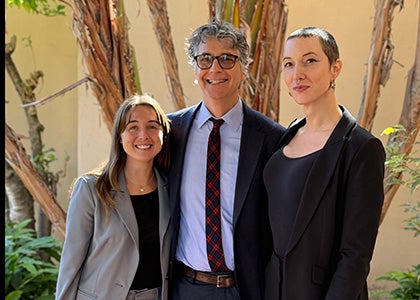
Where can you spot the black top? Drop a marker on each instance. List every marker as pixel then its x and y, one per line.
pixel 285 178
pixel 146 208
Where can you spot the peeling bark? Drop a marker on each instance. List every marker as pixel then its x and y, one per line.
pixel 17 158
pixel 379 61
pixel 101 29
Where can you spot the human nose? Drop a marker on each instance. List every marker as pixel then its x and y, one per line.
pixel 143 133
pixel 215 63
pixel 298 74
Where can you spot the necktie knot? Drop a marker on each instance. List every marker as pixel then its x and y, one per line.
pixel 217 123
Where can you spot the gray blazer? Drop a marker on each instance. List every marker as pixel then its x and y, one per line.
pixel 100 256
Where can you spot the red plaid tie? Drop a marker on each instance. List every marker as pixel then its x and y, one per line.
pixel 213 225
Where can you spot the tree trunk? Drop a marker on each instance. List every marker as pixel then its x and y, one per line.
pixel 267 59
pixel 33 181
pixel 25 91
pixel 378 71
pixel 100 27
pixel 160 20
pixel 379 61
pixel 410 119
pixel 19 201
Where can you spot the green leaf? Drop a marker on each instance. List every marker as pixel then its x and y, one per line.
pixel 15 295
pixel 27 276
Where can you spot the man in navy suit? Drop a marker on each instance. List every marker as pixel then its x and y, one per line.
pixel 219 56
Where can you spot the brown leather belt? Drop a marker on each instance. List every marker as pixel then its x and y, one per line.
pixel 224 280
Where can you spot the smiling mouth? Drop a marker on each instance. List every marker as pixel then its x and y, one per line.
pixel 210 81
pixel 143 147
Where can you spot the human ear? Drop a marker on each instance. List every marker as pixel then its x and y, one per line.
pixel 336 69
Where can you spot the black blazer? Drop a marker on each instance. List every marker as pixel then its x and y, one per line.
pixel 251 233
pixel 331 245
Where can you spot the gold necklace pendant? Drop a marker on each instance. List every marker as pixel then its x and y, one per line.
pixel 150 182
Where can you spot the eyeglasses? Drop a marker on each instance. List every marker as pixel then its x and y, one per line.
pixel 226 61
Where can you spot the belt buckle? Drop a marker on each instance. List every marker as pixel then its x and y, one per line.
pixel 219 279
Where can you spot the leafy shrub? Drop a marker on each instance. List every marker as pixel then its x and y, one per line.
pixel 408 284
pixel 401 163
pixel 27 276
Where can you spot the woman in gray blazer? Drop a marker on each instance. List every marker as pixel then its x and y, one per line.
pixel 325 183
pixel 117 235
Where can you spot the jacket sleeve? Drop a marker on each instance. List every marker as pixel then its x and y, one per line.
pixel 363 196
pixel 79 230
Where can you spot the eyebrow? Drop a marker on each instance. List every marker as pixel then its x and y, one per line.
pixel 150 121
pixel 154 121
pixel 306 54
pixel 224 53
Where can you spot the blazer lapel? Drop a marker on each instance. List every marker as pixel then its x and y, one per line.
pixel 251 144
pixel 164 213
pixel 179 134
pixel 320 175
pixel 165 234
pixel 125 209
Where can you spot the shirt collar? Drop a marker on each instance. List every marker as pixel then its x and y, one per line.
pixel 233 117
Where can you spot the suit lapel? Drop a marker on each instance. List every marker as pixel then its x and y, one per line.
pixel 180 135
pixel 320 175
pixel 251 144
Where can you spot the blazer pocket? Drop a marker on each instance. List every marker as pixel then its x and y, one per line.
pixel 83 294
pixel 119 283
pixel 318 274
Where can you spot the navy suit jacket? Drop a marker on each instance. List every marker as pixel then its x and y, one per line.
pixel 252 238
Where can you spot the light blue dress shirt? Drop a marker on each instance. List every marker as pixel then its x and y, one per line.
pixel 192 232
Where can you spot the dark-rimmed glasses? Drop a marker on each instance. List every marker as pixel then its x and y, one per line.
pixel 226 61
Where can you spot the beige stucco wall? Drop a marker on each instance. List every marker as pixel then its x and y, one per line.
pixel 74 124
pixel 54 52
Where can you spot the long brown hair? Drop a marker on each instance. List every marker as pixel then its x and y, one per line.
pixel 108 174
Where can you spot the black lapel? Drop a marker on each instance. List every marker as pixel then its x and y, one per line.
pixel 320 175
pixel 252 141
pixel 180 128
